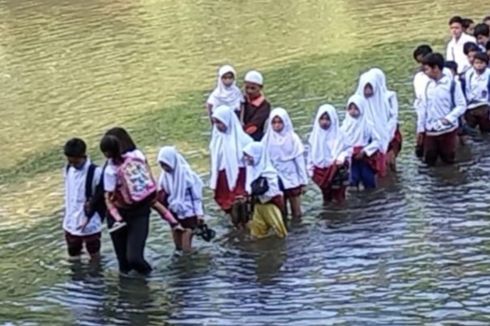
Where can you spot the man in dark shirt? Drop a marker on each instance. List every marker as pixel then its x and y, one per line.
pixel 256 108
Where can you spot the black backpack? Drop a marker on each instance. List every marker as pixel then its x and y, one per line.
pixel 96 199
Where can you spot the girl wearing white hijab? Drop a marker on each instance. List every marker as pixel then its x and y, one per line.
pixel 329 154
pixel 366 143
pixel 227 167
pixel 287 155
pixel 267 200
pixel 395 144
pixel 182 189
pixel 377 113
pixel 226 91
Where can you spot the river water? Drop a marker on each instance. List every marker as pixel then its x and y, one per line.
pixel 414 252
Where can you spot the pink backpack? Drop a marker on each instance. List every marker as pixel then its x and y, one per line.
pixel 136 180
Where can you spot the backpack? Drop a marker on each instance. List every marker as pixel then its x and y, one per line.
pixel 136 180
pixel 95 198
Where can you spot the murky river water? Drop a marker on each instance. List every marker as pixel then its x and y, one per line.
pixel 414 252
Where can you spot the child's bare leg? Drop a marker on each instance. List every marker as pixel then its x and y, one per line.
pixel 186 238
pixel 177 235
pixel 296 207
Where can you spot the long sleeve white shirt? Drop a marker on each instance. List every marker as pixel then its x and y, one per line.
pixel 437 104
pixel 477 87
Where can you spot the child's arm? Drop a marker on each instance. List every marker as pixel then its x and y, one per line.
pixel 111 207
pixel 165 214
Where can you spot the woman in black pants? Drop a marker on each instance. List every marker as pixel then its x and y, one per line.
pixel 129 242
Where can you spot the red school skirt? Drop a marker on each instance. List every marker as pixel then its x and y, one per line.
pixel 322 177
pixel 224 197
pixel 377 161
pixel 396 143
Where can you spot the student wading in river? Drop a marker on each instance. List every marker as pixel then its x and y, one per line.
pixel 442 105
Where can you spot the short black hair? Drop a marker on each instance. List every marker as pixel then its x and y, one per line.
pixel 482 56
pixel 434 60
pixel 125 140
pixel 467 22
pixel 75 147
pixel 422 50
pixel 470 47
pixel 451 65
pixel 482 29
pixel 110 144
pixel 487 46
pixel 486 18
pixel 456 19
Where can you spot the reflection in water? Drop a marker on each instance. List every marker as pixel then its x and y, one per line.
pixel 413 252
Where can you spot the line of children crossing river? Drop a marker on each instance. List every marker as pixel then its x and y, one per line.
pixel 260 166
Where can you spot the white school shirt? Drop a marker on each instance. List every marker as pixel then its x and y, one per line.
pixel 110 172
pixel 193 202
pixel 454 52
pixel 75 201
pixel 477 87
pixel 437 105
pixel 293 173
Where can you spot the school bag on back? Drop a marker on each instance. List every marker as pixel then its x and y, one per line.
pixel 136 180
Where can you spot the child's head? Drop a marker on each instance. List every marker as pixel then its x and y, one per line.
pixel 486 20
pixel 325 121
pixel 167 158
pixel 253 84
pixel 353 110
pixel 227 75
pixel 469 49
pixel 453 66
pixel 368 90
pixel 220 125
pixel 75 151
pixel 127 144
pixel 433 65
pixel 421 51
pixel 482 33
pixel 468 25
pixel 456 26
pixel 111 147
pixel 480 62
pixel 277 124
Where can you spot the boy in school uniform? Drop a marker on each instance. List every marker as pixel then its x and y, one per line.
pixel 442 105
pixel 454 50
pixel 477 93
pixel 256 108
pixel 482 35
pixel 81 178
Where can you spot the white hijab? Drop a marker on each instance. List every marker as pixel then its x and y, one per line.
pixel 177 183
pixel 222 95
pixel 356 129
pixel 378 107
pixel 262 167
pixel 391 98
pixel 285 145
pixel 326 146
pixel 227 146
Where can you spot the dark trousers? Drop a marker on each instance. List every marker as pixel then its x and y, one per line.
pixel 362 172
pixel 442 146
pixel 129 242
pixel 478 117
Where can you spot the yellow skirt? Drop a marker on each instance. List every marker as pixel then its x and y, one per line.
pixel 266 217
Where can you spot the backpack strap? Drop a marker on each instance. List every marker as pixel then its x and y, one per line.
pixel 452 90
pixel 189 191
pixel 488 88
pixel 89 181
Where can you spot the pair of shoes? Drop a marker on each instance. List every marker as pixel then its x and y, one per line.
pixel 117 226
pixel 204 232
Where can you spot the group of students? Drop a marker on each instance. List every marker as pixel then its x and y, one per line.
pixel 259 165
pixel 452 95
